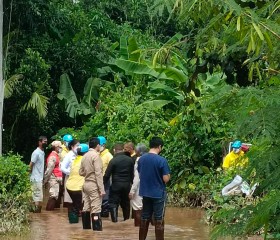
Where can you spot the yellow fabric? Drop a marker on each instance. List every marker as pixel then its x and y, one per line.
pixel 63 152
pixel 234 160
pixel 106 157
pixel 75 181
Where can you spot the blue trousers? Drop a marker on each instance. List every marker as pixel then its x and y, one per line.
pixel 154 206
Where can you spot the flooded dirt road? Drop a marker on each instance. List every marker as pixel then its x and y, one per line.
pixel 180 224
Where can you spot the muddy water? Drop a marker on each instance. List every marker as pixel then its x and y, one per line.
pixel 180 224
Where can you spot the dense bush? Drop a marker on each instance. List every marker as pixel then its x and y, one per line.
pixel 14 194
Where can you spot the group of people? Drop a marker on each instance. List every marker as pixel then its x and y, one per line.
pixel 97 182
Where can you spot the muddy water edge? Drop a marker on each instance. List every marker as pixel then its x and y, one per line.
pixel 180 223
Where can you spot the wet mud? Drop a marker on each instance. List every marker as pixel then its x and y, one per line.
pixel 180 224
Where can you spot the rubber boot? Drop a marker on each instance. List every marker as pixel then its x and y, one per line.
pixel 137 217
pixel 96 222
pixel 73 217
pixel 51 204
pixel 38 209
pixel 126 212
pixel 114 214
pixel 58 202
pixel 159 229
pixel 105 209
pixel 143 229
pixel 153 220
pixel 86 220
pixel 133 213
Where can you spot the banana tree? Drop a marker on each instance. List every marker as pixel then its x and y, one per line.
pixel 167 68
pixel 84 107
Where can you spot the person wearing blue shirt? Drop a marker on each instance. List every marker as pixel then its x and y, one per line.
pixel 154 173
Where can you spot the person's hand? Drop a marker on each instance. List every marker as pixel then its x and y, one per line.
pixel 130 195
pixel 102 194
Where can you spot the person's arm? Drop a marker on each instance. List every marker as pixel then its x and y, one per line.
pixel 108 172
pixel 50 167
pixel 82 171
pixel 98 174
pixel 65 165
pixel 166 178
pixel 32 161
pixel 136 182
pixel 31 166
pixel 166 172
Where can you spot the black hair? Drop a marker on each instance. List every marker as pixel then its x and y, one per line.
pixel 155 142
pixel 93 142
pixel 118 147
pixel 72 143
pixel 42 138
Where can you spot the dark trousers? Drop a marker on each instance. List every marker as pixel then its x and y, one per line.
pixel 77 199
pixel 153 206
pixel 118 195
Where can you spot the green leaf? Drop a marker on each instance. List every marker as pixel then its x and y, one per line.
pixel 134 54
pixel 123 48
pixel 136 68
pixel 153 104
pixel 238 23
pixel 258 31
pixel 67 93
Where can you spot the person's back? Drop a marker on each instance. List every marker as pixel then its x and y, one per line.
pixel 154 174
pixel 151 169
pixel 121 168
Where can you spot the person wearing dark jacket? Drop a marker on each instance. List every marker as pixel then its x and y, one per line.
pixel 121 169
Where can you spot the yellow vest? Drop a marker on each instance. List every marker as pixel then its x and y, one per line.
pixel 106 157
pixel 235 160
pixel 63 153
pixel 75 181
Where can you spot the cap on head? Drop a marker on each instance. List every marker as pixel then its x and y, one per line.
pixel 102 140
pixel 56 144
pixel 236 144
pixel 67 138
pixel 84 147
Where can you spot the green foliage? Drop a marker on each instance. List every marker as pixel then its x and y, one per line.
pixel 123 117
pixel 14 194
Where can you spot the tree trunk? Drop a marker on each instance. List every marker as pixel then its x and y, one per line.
pixel 1 75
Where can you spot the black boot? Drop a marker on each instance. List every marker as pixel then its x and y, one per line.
pixel 137 217
pixel 159 229
pixel 96 222
pixel 51 204
pixel 143 230
pixel 114 214
pixel 86 220
pixel 105 209
pixel 126 212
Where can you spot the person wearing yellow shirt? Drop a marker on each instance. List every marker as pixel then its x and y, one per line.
pixel 106 157
pixel 66 139
pixel 235 159
pixel 74 186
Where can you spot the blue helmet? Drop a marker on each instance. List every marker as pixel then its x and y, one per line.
pixel 84 147
pixel 236 144
pixel 102 140
pixel 67 138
